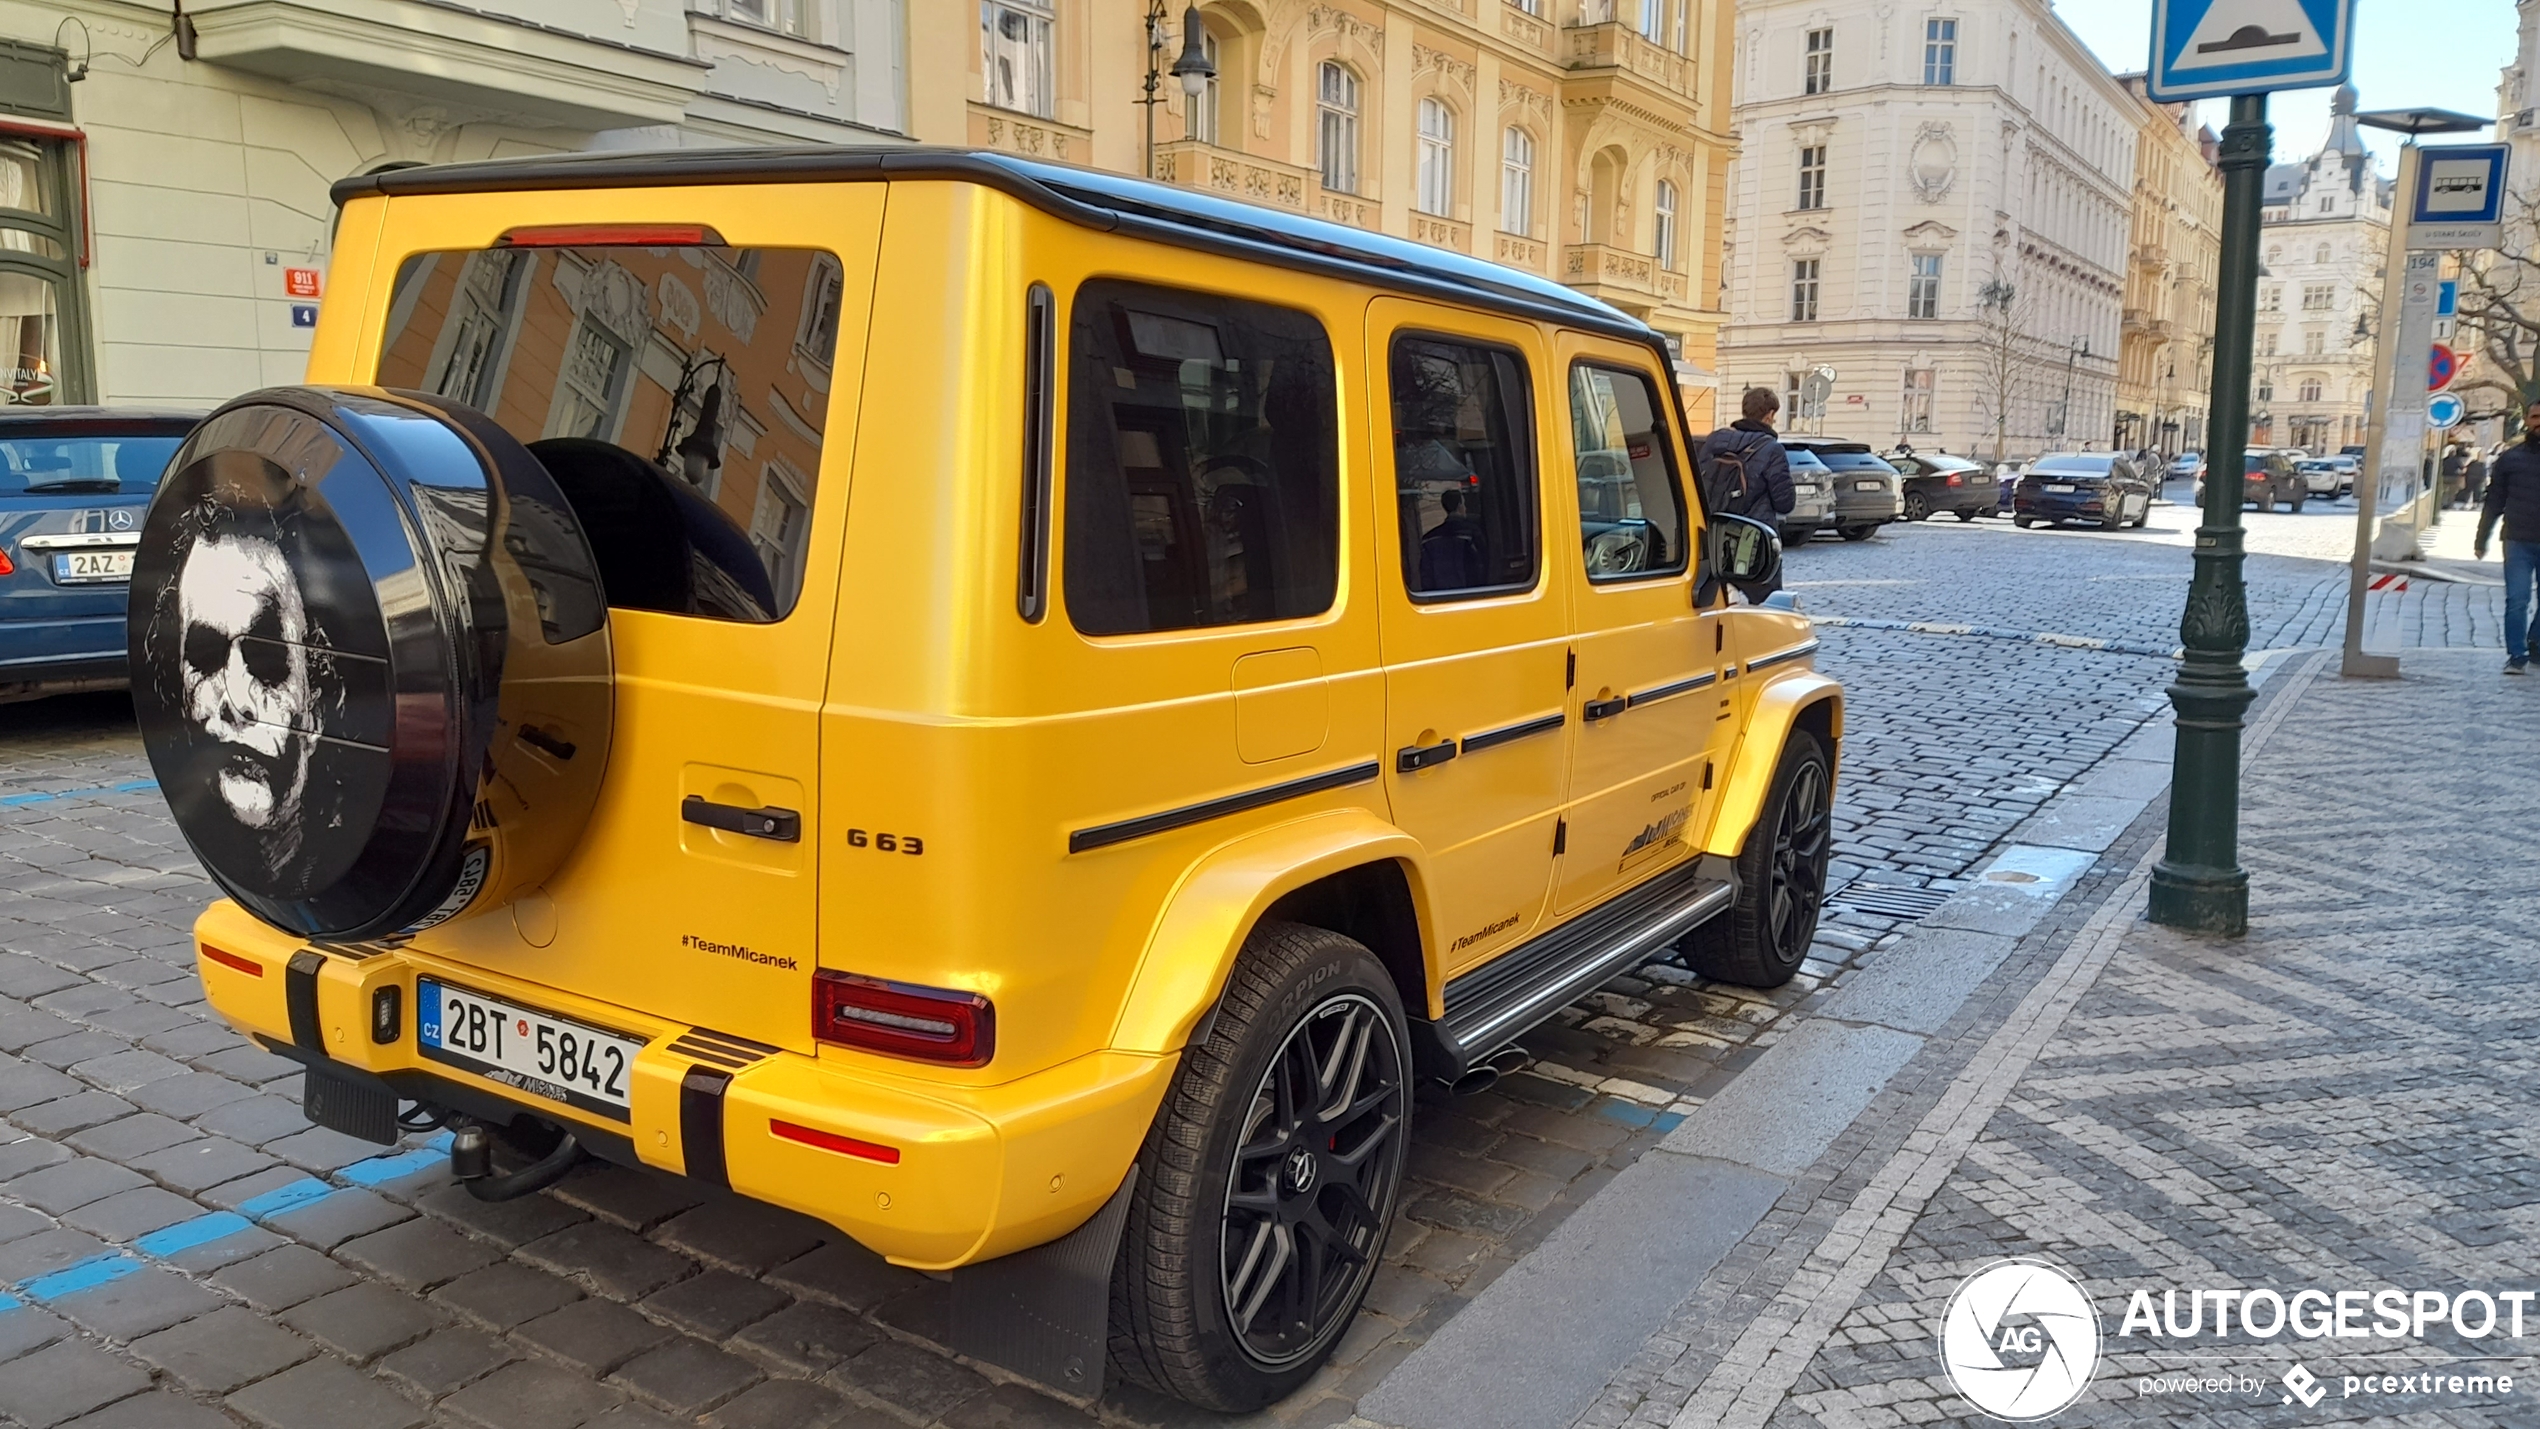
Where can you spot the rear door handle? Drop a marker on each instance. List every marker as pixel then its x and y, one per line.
pixel 1605 709
pixel 1421 756
pixel 782 825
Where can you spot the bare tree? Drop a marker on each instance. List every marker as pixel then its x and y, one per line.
pixel 2005 355
pixel 2498 310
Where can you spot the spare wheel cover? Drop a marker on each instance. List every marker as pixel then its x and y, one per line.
pixel 370 660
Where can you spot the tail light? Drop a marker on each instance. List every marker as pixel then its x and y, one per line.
pixel 1955 479
pixel 898 1019
pixel 7 566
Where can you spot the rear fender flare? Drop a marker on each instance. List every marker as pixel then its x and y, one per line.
pixel 1212 910
pixel 1776 713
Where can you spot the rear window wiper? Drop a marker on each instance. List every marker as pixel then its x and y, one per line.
pixel 85 484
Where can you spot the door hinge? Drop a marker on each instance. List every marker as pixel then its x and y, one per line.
pixel 1719 637
pixel 1706 773
pixel 1570 675
pixel 1560 835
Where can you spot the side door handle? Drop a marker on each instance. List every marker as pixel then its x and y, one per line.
pixel 1604 709
pixel 782 825
pixel 1416 757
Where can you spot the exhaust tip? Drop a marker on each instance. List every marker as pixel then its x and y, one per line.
pixel 1486 1071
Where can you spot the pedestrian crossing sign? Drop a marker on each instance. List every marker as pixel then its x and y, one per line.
pixel 2202 49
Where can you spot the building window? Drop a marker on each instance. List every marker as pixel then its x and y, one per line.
pixel 1940 51
pixel 1531 7
pixel 43 345
pixel 1812 176
pixel 1336 131
pixel 1803 290
pixel 2314 343
pixel 1014 55
pixel 780 522
pixel 1922 290
pixel 2318 297
pixel 2266 389
pixel 1464 469
pixel 1916 413
pixel 1202 107
pixel 783 16
pixel 2266 344
pixel 1819 76
pixel 2322 255
pixel 1662 236
pixel 1437 158
pixel 1653 20
pixel 1517 183
pixel 2310 389
pixel 1631 505
pixel 2271 299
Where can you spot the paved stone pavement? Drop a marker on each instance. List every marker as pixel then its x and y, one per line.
pixel 184 1247
pixel 2344 1100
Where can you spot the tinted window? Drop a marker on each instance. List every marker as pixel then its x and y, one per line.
pixel 2073 465
pixel 1464 471
pixel 83 464
pixel 1802 459
pixel 1631 508
pixel 1203 483
pixel 1854 461
pixel 678 395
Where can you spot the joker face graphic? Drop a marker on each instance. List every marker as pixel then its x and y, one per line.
pixel 246 685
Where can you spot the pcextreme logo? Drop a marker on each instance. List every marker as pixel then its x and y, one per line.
pixel 2019 1339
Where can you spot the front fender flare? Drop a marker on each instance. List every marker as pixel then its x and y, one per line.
pixel 1759 752
pixel 1204 923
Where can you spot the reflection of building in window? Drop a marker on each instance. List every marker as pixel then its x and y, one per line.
pixel 1336 132
pixel 485 315
pixel 1014 53
pixel 816 339
pixel 611 313
pixel 778 527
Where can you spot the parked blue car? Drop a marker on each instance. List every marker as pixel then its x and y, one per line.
pixel 73 485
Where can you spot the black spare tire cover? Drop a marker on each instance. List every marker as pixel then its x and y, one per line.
pixel 370 659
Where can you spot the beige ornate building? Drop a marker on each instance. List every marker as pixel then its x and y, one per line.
pixel 2326 237
pixel 1581 139
pixel 2165 361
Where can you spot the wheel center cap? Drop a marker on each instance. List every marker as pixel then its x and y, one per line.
pixel 1301 1170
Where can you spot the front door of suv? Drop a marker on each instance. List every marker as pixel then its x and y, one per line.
pixel 1653 717
pixel 1473 633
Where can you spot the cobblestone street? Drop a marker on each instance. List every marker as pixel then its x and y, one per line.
pixel 180 1248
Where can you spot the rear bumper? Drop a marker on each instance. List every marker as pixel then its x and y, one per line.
pixel 980 1171
pixel 1866 508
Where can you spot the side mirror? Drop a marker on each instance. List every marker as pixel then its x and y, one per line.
pixel 1739 551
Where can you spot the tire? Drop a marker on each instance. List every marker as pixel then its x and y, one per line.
pixel 1795 538
pixel 419 730
pixel 1917 508
pixel 2023 522
pixel 1781 872
pixel 1855 533
pixel 2266 499
pixel 2295 506
pixel 2114 520
pixel 1966 515
pixel 1217 1178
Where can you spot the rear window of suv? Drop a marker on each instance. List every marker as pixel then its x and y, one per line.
pixel 88 464
pixel 678 394
pixel 1854 461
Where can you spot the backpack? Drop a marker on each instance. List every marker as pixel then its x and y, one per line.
pixel 1724 479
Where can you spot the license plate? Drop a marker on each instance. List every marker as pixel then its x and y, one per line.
pixel 2059 488
pixel 85 567
pixel 1869 486
pixel 525 1049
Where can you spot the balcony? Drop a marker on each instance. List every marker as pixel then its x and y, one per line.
pixel 1344 208
pixel 1532 32
pixel 1603 271
pixel 1519 252
pixel 1618 48
pixel 1196 165
pixel 1442 232
pixel 1029 135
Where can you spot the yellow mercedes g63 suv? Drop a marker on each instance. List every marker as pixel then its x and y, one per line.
pixel 1020 712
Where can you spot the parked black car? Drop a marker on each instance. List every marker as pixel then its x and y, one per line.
pixel 1866 494
pixel 2103 488
pixel 1945 483
pixel 74 482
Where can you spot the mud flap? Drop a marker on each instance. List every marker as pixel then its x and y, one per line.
pixel 366 1108
pixel 1045 1313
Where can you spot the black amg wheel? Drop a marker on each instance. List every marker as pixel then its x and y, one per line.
pixel 1269 1177
pixel 1763 938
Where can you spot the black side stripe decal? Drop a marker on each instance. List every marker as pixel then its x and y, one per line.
pixel 1680 687
pixel 1795 652
pixel 1105 835
pixel 1474 743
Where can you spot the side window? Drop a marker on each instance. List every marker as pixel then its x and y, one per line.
pixel 1631 503
pixel 1203 476
pixel 1464 470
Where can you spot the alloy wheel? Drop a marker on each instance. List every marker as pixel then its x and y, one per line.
pixel 1802 839
pixel 1314 1178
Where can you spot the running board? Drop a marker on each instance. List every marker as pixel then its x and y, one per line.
pixel 1498 1002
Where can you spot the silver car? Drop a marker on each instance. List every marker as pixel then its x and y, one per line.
pixel 1812 487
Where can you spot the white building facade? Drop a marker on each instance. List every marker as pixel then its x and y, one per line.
pixel 164 216
pixel 2323 247
pixel 1933 200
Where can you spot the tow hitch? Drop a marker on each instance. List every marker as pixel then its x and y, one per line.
pixel 472 1163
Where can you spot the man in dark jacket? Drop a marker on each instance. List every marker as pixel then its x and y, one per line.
pixel 2513 496
pixel 1742 467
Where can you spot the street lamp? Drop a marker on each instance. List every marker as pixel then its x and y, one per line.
pixel 2074 352
pixel 1194 69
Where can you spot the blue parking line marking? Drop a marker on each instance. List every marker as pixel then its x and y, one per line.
pixel 133 786
pixel 185 1235
pixel 303 1192
pixel 86 1275
pixel 9 1303
pixel 393 1166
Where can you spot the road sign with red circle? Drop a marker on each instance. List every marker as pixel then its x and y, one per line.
pixel 2443 366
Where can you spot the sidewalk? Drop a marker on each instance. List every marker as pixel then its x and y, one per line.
pixel 2341 1102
